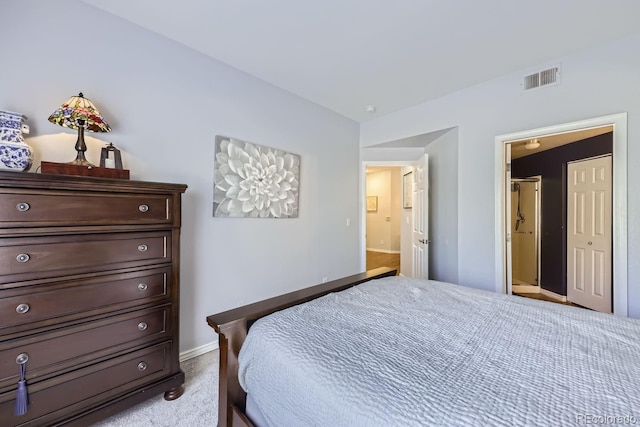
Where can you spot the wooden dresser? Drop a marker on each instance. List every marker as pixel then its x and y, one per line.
pixel 89 295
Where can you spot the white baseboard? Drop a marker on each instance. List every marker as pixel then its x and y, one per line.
pixel 384 251
pixel 553 295
pixel 198 351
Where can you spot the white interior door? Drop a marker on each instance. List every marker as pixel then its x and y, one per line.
pixel 420 216
pixel 589 233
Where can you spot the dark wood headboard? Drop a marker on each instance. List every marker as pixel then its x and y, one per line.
pixel 232 327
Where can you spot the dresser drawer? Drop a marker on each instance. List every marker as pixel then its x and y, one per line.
pixel 32 304
pixel 50 400
pixel 32 208
pixel 26 258
pixel 78 344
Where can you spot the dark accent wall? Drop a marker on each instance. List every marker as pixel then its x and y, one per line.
pixel 552 166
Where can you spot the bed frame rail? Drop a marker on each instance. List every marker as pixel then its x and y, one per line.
pixel 232 327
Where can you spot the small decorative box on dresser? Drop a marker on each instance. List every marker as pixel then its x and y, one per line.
pixel 89 296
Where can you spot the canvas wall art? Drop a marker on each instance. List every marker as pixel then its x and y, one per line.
pixel 254 181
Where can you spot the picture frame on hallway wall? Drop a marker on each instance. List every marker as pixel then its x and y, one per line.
pixel 372 203
pixel 407 190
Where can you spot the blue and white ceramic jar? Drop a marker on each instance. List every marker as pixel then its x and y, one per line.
pixel 15 156
pixel 12 126
pixel 14 153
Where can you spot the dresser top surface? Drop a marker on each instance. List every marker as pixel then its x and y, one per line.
pixel 11 179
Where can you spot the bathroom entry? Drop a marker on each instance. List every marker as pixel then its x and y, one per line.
pixel 525 234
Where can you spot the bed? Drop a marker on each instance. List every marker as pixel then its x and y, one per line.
pixel 344 354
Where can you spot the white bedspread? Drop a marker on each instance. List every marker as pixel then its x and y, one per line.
pixel 405 352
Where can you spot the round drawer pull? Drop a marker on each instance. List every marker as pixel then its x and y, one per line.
pixel 22 358
pixel 143 208
pixel 143 286
pixel 23 257
pixel 143 248
pixel 23 207
pixel 142 326
pixel 142 366
pixel 22 308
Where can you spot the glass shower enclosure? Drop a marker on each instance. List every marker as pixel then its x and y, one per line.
pixel 525 234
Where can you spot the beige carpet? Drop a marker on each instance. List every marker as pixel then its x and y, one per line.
pixel 197 407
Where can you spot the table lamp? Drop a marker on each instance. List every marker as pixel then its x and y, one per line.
pixel 80 113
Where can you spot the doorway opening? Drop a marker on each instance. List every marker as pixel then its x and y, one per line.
pixel 384 220
pixel 436 155
pixel 383 217
pixel 504 262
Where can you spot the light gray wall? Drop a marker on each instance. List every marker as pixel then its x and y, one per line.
pixel 443 207
pixel 165 104
pixel 595 83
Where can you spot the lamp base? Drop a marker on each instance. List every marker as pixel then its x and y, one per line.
pixel 81 162
pixel 83 170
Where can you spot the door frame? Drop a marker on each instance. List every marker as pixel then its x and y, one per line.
pixel 619 158
pixel 363 203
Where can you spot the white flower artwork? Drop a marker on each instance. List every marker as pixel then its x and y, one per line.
pixel 254 181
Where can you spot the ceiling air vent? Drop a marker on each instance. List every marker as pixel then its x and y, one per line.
pixel 548 77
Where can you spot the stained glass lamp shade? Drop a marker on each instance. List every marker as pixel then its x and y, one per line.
pixel 80 113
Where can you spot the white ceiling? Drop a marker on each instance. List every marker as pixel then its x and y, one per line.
pixel 548 142
pixel 347 54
